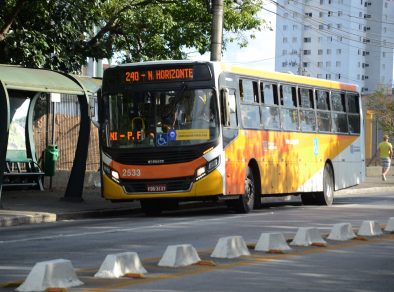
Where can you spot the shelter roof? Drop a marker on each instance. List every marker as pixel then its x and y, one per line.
pixel 42 80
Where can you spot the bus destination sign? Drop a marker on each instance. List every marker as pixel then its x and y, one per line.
pixel 158 74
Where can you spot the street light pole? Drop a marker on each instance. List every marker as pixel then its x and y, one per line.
pixel 217 30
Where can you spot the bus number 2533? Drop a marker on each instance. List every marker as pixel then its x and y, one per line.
pixel 131 172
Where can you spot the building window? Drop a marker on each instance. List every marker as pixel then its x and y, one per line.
pixel 338 64
pixel 321 14
pixel 307 40
pixel 284 52
pixel 319 76
pixel 319 64
pixel 339 51
pixel 285 40
pixel 308 14
pixel 328 76
pixel 339 13
pixel 339 26
pixel 284 27
pixel 307 52
pixel 328 64
pixel 328 51
pixel 295 27
pixel 321 26
pixel 320 52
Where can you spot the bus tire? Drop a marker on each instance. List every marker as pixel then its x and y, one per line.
pixel 151 207
pixel 246 201
pixel 326 197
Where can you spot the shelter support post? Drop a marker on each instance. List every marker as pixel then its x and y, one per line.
pixel 4 128
pixel 75 183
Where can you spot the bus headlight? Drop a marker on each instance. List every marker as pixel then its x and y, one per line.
pixel 207 168
pixel 113 174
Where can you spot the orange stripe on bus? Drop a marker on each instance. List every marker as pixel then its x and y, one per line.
pixel 158 171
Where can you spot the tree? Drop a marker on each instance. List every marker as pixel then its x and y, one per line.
pixel 382 106
pixel 61 34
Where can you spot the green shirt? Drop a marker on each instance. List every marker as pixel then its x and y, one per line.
pixel 385 149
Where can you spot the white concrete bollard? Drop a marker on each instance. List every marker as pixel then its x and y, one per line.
pixel 341 231
pixel 230 247
pixel 179 256
pixel 306 236
pixel 118 265
pixel 390 225
pixel 369 228
pixel 272 241
pixel 50 274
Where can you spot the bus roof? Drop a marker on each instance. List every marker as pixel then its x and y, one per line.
pixel 288 77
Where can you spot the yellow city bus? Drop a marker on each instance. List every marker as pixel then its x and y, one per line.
pixel 187 130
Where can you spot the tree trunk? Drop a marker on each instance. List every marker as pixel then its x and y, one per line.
pixel 9 19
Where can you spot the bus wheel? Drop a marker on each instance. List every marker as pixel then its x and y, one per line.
pixel 246 201
pixel 326 197
pixel 151 207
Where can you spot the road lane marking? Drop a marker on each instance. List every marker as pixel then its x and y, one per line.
pixel 123 230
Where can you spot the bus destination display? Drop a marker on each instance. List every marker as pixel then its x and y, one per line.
pixel 168 74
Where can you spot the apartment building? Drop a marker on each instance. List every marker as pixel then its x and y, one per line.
pixel 344 40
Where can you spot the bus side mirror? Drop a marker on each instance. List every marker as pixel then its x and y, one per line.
pixel 224 94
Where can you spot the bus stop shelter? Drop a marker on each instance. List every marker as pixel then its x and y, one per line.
pixel 18 82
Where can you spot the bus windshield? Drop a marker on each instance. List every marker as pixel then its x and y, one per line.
pixel 161 118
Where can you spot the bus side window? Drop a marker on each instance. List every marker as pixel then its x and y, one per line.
pixel 289 112
pixel 232 108
pixel 339 117
pixel 307 112
pixel 250 113
pixel 353 112
pixel 323 111
pixel 269 110
pixel 248 91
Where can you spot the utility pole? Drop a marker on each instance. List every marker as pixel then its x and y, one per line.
pixel 217 30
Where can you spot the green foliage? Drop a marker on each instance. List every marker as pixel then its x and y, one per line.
pixel 61 34
pixel 382 106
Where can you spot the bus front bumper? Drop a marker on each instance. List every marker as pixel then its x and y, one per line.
pixel 210 185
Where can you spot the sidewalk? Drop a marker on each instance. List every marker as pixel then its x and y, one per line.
pixel 27 207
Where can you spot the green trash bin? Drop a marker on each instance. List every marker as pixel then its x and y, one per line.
pixel 50 158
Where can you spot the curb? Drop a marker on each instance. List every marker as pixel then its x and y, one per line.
pixel 12 218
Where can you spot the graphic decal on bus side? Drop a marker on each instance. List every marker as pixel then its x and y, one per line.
pixel 284 167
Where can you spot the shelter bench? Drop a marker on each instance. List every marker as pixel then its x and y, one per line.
pixel 22 172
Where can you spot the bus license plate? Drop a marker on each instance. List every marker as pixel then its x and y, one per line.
pixel 156 188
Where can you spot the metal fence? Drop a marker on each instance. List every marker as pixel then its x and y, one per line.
pixel 58 123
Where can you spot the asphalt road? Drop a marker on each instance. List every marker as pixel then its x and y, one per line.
pixel 354 265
